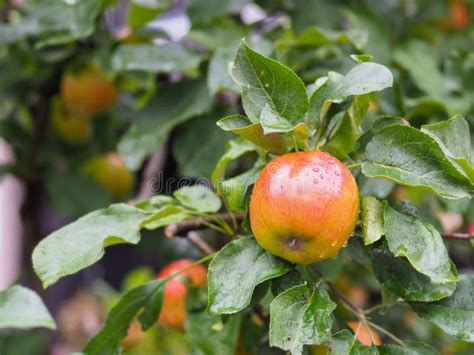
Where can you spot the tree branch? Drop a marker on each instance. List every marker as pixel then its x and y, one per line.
pixel 182 229
pixel 360 312
pixel 155 164
pixel 196 239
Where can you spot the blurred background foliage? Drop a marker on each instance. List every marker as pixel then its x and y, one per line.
pixel 167 64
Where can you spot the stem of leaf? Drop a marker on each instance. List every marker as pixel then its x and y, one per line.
pixel 353 165
pixel 356 333
pixel 379 306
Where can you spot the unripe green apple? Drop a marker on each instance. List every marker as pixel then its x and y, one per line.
pixel 70 127
pixel 173 313
pixel 304 206
pixel 87 91
pixel 110 171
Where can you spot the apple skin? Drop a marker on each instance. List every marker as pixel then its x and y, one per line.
pixel 460 14
pixel 110 171
pixel 304 206
pixel 173 313
pixel 87 91
pixel 70 127
pixel 134 337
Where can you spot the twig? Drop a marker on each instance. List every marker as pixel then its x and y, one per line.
pixel 387 333
pixel 181 229
pixel 340 295
pixel 359 312
pixel 196 239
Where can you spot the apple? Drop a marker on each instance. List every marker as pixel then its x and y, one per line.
pixel 173 313
pixel 70 127
pixel 460 14
pixel 363 334
pixel 110 171
pixel 134 337
pixel 304 206
pixel 87 91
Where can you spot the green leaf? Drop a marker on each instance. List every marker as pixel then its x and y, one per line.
pixel 164 216
pixel 198 197
pixel 235 149
pixel 156 202
pixel 315 36
pixel 420 243
pixel 152 308
pixel 22 308
pixel 31 342
pixel 362 58
pixel 140 12
pixel 454 139
pixel 53 22
pixel 218 76
pixel 272 122
pixel 421 61
pixel 211 336
pixel 379 33
pixel 296 320
pixel 221 34
pixel 377 125
pixel 344 343
pixel 203 10
pixel 412 158
pixel 410 348
pixel 455 314
pixel 197 154
pixel 235 272
pixel 400 278
pixel 119 318
pixel 379 188
pixel 362 79
pixel 234 189
pixel 253 132
pixel 343 137
pixel 372 219
pixel 174 104
pixel 266 81
pixel 81 243
pixel 167 58
pixel 72 194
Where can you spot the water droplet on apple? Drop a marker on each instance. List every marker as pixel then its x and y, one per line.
pixel 333 244
pixel 316 181
pixel 332 162
pixel 316 170
pixel 344 245
pixel 321 176
pixel 336 172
